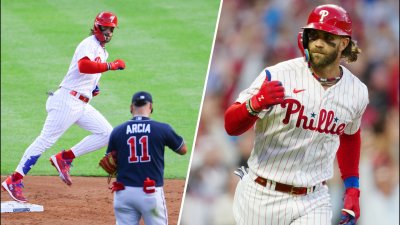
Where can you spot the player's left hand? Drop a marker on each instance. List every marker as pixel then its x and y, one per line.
pixel 351 208
pixel 118 64
pixel 96 91
pixel 109 164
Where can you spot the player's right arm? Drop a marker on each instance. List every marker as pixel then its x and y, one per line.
pixel 87 66
pixel 239 117
pixel 238 120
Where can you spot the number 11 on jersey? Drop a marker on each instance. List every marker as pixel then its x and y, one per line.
pixel 144 157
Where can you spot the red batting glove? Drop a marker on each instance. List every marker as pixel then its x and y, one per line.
pixel 270 93
pixel 351 204
pixel 118 64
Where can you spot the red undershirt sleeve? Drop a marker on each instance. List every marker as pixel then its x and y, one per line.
pixel 348 154
pixel 238 120
pixel 87 66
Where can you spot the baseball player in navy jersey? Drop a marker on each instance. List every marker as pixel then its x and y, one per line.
pixel 139 144
pixel 70 105
pixel 306 111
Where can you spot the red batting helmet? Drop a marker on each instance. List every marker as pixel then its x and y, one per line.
pixel 107 19
pixel 329 18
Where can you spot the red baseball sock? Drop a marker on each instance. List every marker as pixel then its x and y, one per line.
pixel 16 176
pixel 68 154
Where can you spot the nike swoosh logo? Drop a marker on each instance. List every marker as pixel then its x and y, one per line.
pixel 298 90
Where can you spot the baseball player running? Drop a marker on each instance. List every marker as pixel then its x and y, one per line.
pixel 70 105
pixel 305 112
pixel 139 148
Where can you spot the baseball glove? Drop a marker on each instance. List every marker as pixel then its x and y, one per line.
pixel 109 164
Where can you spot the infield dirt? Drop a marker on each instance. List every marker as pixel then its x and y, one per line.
pixel 88 201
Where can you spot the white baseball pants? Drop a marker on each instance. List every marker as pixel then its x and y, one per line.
pixel 64 110
pixel 257 205
pixel 133 203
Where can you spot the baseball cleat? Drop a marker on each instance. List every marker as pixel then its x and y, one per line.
pixel 351 212
pixel 63 166
pixel 14 189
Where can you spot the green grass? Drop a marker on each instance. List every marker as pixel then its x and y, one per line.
pixel 166 47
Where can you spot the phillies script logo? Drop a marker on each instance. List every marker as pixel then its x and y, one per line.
pixel 324 124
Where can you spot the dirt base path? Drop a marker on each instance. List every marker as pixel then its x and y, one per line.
pixel 87 201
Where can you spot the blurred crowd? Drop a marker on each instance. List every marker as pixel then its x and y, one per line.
pixel 253 34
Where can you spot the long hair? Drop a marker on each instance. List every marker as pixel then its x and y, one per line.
pixel 350 53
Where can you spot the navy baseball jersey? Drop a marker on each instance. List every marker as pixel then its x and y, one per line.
pixel 140 144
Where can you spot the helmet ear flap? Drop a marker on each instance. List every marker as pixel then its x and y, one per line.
pixel 302 43
pixel 97 33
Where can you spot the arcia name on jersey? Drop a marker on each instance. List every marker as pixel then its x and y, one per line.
pixel 138 128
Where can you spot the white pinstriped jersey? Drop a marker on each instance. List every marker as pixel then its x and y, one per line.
pixel 296 142
pixel 74 80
